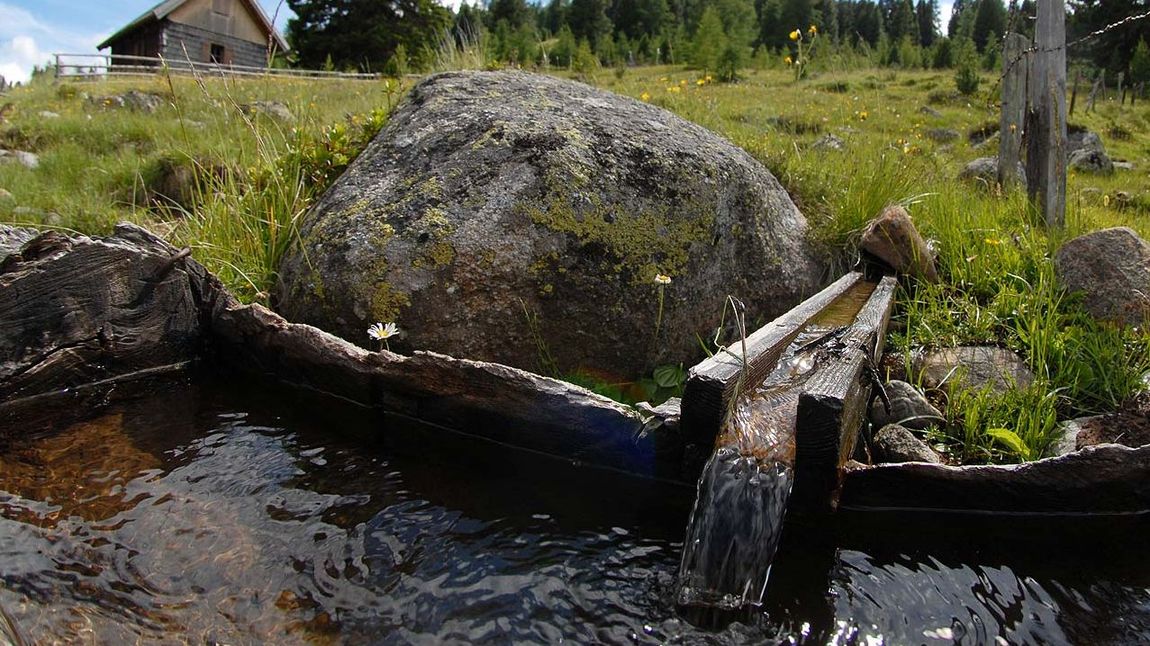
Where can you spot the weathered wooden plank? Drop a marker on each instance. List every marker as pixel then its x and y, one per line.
pixel 1104 479
pixel 487 400
pixel 712 383
pixel 832 406
pixel 1046 121
pixel 1012 118
pixel 1074 91
pixel 75 310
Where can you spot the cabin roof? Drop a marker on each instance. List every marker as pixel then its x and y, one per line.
pixel 161 11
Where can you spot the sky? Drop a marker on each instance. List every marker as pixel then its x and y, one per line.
pixel 32 30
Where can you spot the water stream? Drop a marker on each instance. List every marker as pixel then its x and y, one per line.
pixel 229 513
pixel 737 519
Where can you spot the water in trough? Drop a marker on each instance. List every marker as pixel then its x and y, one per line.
pixel 226 513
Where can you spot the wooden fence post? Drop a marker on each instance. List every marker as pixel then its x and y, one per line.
pixel 1121 90
pixel 1015 64
pixel 1074 91
pixel 1046 118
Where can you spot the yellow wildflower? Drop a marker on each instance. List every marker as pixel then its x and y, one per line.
pixel 994 242
pixel 708 78
pixel 813 30
pixel 1105 200
pixel 700 82
pixel 644 97
pixel 796 34
pixel 788 61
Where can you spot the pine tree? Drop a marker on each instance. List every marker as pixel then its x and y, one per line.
pixel 709 41
pixel 926 14
pixel 588 20
pixel 335 28
pixel 989 23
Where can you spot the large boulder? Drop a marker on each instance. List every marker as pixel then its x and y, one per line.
pixel 523 219
pixel 893 238
pixel 1111 268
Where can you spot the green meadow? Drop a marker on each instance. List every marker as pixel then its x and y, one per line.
pixel 252 177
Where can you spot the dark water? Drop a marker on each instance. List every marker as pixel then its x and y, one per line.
pixel 229 515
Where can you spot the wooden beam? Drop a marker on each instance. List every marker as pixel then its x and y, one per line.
pixel 711 384
pixel 833 404
pixel 1015 62
pixel 1046 120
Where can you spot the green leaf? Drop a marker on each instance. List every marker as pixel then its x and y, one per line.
pixel 669 376
pixel 1011 440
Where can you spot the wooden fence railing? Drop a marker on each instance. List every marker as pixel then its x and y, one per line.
pixel 102 66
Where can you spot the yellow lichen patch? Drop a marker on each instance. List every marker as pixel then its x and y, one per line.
pixel 640 244
pixel 387 303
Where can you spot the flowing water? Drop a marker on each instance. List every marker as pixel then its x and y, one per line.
pixel 737 520
pixel 220 513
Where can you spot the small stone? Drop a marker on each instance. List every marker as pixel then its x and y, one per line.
pixel 47 114
pixel 1090 161
pixel 26 159
pixel 930 112
pixel 908 407
pixel 983 172
pixel 6 196
pixel 829 142
pixel 894 443
pixel 893 238
pixel 942 135
pixel 974 368
pixel 1111 268
pixel 1123 164
pixel 1068 432
pixel 273 109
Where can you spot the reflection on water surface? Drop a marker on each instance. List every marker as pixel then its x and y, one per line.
pixel 218 513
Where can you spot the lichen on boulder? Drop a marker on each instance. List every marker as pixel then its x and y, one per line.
pixel 506 216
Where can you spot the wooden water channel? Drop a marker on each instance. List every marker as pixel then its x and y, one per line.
pixel 783 420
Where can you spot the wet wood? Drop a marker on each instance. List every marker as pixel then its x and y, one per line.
pixel 1103 479
pixel 488 400
pixel 711 384
pixel 833 404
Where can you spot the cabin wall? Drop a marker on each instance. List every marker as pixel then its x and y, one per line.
pixel 183 42
pixel 145 41
pixel 232 18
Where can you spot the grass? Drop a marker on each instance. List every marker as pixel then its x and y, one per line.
pixel 998 285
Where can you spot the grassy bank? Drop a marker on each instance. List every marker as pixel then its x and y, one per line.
pixel 99 166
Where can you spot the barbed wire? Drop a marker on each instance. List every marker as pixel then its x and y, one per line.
pixel 1074 43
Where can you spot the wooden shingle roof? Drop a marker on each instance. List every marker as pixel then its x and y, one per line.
pixel 163 9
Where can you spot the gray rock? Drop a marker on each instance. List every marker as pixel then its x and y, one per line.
pixel 6 196
pixel 929 111
pixel 973 368
pixel 893 238
pixel 503 214
pixel 829 142
pixel 1085 152
pixel 24 158
pixel 942 135
pixel 662 418
pixel 1090 161
pixel 12 238
pixel 273 109
pixel 984 172
pixel 132 99
pixel 1112 269
pixel 908 407
pixel 894 443
pixel 1123 164
pixel 1067 433
pixel 48 114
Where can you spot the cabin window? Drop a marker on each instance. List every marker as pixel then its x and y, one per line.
pixel 222 7
pixel 218 54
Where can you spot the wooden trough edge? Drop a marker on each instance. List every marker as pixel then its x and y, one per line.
pixel 711 383
pixel 833 405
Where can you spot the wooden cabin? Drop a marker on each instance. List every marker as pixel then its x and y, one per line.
pixel 224 32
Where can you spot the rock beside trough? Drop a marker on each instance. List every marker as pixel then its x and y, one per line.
pixel 512 217
pixel 894 443
pixel 974 368
pixel 908 407
pixel 893 238
pixel 1111 268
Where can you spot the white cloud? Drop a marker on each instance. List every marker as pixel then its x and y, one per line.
pixel 26 41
